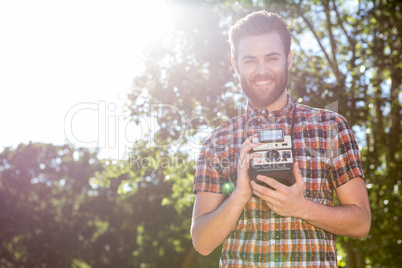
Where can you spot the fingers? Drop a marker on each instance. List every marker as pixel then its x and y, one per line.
pixel 264 192
pixel 246 160
pixel 278 185
pixel 247 146
pixel 271 182
pixel 284 199
pixel 297 173
pixel 245 155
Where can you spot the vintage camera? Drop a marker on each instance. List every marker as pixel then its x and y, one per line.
pixel 277 159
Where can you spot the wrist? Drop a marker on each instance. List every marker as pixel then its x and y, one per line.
pixel 240 196
pixel 304 209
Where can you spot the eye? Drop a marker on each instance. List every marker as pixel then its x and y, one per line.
pixel 272 58
pixel 249 61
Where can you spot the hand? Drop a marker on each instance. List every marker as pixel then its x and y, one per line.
pixel 243 187
pixel 285 200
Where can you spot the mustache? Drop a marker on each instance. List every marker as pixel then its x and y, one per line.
pixel 264 77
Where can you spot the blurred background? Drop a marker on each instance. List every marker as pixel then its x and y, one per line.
pixel 104 107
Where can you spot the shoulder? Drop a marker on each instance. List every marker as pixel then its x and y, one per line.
pixel 224 132
pixel 317 115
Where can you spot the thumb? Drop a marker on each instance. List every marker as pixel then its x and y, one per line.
pixel 297 173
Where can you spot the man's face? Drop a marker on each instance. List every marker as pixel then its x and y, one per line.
pixel 262 67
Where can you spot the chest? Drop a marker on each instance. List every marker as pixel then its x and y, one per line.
pixel 313 143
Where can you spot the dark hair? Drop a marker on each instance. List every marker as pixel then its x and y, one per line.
pixel 258 23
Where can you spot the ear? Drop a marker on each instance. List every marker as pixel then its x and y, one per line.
pixel 289 60
pixel 235 65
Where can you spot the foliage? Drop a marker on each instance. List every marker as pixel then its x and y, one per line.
pixel 63 207
pixel 57 211
pixel 346 58
pixel 42 195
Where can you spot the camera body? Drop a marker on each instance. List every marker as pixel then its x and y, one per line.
pixel 277 158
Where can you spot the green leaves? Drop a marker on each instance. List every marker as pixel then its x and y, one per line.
pixel 64 207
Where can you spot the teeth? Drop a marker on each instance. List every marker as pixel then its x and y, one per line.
pixel 262 83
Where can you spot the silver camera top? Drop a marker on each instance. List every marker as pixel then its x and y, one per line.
pixel 276 148
pixel 272 139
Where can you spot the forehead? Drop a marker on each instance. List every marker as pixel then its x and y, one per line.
pixel 260 45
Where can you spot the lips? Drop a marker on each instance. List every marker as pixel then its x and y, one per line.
pixel 263 81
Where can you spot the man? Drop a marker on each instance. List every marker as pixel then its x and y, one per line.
pixel 287 226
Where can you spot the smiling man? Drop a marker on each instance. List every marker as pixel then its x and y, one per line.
pixel 277 226
pixel 257 54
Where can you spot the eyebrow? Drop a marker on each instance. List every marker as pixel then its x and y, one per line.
pixel 267 55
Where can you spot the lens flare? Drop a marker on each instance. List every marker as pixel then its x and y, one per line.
pixel 228 187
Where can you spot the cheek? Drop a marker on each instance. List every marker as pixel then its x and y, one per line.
pixel 244 75
pixel 246 70
pixel 278 69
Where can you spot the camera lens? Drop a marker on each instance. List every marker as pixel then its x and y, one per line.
pixel 273 155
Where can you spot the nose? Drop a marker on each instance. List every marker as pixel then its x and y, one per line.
pixel 262 68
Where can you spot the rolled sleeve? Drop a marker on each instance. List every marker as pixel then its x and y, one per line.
pixel 346 156
pixel 208 175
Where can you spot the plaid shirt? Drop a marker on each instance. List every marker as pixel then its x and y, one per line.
pixel 328 157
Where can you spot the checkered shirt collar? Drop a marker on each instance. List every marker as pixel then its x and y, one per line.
pixel 252 112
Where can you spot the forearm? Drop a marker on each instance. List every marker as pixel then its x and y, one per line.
pixel 348 220
pixel 209 230
pixel 352 218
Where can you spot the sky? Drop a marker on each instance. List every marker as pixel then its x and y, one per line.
pixel 65 67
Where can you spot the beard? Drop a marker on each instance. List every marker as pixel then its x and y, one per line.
pixel 259 98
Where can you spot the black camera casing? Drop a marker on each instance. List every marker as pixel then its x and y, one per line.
pixel 277 158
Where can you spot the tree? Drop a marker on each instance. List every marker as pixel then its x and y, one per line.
pixel 63 207
pixel 146 186
pixel 350 63
pixel 42 190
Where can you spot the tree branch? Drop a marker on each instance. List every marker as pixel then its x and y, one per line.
pixel 331 37
pixel 311 28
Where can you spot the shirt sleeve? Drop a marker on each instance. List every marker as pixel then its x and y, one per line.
pixel 208 174
pixel 346 162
